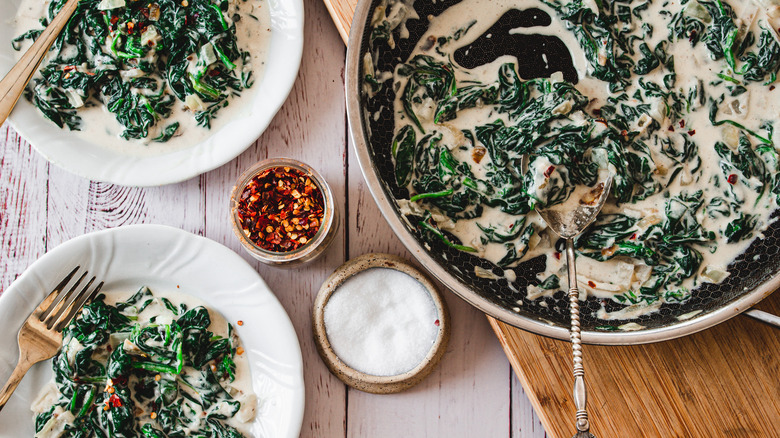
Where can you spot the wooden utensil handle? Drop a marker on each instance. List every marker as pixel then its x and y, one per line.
pixel 12 85
pixel 16 377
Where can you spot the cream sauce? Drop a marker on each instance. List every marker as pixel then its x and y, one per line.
pixel 617 276
pixel 240 389
pixel 99 126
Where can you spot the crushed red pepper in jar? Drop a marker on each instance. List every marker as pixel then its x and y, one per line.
pixel 280 209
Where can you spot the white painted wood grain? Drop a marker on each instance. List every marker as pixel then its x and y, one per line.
pixel 77 206
pixel 310 127
pixel 471 394
pixel 525 423
pixel 468 394
pixel 23 192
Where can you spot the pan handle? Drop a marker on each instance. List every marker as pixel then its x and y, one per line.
pixel 762 316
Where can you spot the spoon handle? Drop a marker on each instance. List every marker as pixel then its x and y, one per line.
pixel 762 316
pixel 12 85
pixel 579 393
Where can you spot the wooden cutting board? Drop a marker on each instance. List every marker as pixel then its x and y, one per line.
pixel 723 382
pixel 342 11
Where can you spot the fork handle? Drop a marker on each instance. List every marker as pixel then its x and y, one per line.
pixel 16 377
pixel 12 86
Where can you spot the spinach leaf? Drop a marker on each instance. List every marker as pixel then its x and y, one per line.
pixel 138 63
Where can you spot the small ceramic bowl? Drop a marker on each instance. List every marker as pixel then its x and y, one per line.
pixel 367 382
pixel 316 245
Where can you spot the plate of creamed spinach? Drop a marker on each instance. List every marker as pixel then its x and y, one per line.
pixel 185 339
pixel 150 93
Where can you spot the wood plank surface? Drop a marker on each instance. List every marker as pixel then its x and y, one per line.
pixel 473 393
pixel 23 232
pixel 473 372
pixel 722 382
pixel 311 127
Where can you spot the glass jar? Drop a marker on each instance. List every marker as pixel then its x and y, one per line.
pixel 316 245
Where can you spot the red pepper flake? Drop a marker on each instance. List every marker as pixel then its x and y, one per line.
pixel 436 323
pixel 240 322
pixel 692 36
pixel 114 19
pixel 692 132
pixel 732 179
pixel 557 255
pixel 115 401
pixel 591 283
pixel 130 26
pixel 602 121
pixel 682 123
pixel 280 209
pixel 671 128
pixel 633 236
pixel 69 68
pixel 597 112
pixel 624 133
pixel 549 171
pixel 771 87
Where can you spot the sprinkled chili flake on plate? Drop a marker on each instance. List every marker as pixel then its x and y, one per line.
pixel 280 209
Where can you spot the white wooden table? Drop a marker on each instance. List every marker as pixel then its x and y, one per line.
pixel 473 393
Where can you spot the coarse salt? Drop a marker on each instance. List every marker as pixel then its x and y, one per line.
pixel 381 322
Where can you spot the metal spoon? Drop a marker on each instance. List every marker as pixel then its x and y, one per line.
pixel 568 224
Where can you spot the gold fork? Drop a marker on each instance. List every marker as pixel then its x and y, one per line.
pixel 41 335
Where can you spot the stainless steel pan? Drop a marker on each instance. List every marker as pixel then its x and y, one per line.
pixel 753 275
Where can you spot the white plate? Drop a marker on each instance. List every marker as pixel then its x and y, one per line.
pixel 89 160
pixel 165 259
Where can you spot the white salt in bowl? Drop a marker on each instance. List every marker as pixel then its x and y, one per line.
pixel 361 380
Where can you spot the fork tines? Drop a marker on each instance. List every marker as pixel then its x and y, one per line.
pixel 62 304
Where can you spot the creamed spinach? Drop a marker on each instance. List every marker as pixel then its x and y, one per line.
pixel 139 59
pixel 677 98
pixel 144 367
